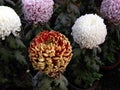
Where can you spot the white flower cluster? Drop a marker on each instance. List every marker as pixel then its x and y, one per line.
pixel 89 31
pixel 9 22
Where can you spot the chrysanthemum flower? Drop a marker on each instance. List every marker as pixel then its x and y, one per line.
pixel 110 9
pixel 89 31
pixel 38 10
pixel 50 52
pixel 9 22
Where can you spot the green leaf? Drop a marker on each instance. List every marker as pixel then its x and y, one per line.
pixel 63 19
pixel 43 82
pixel 76 52
pixel 19 57
pixel 71 8
pixel 5 54
pixel 1 2
pixel 20 44
pixel 10 2
pixel 18 7
pixel 97 75
pixel 14 42
pixel 28 35
pixel 11 42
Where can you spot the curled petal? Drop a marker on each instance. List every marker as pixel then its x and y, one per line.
pixel 9 22
pixel 38 10
pixel 51 52
pixel 89 31
pixel 110 9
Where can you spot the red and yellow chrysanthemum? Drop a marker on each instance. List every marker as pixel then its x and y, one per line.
pixel 50 52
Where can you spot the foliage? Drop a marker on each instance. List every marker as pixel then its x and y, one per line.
pixel 13 64
pixel 110 48
pixel 15 68
pixel 85 63
pixel 85 67
pixel 43 82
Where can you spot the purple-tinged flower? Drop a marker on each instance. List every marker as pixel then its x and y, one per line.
pixel 110 9
pixel 38 10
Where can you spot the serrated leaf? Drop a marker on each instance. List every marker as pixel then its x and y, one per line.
pixel 64 79
pixel 76 52
pixel 37 31
pixel 28 35
pixel 19 57
pixel 10 2
pixel 1 2
pixel 73 9
pixel 5 54
pixel 11 42
pixel 14 43
pixel 18 7
pixel 63 83
pixel 43 82
pixel 99 49
pixel 20 44
pixel 63 19
pixel 95 66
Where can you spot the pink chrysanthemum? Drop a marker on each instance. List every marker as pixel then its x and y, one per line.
pixel 50 52
pixel 38 10
pixel 110 9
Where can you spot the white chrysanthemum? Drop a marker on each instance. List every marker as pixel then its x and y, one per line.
pixel 89 31
pixel 9 22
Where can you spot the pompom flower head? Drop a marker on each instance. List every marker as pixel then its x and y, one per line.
pixel 38 10
pixel 110 9
pixel 9 22
pixel 50 52
pixel 89 31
